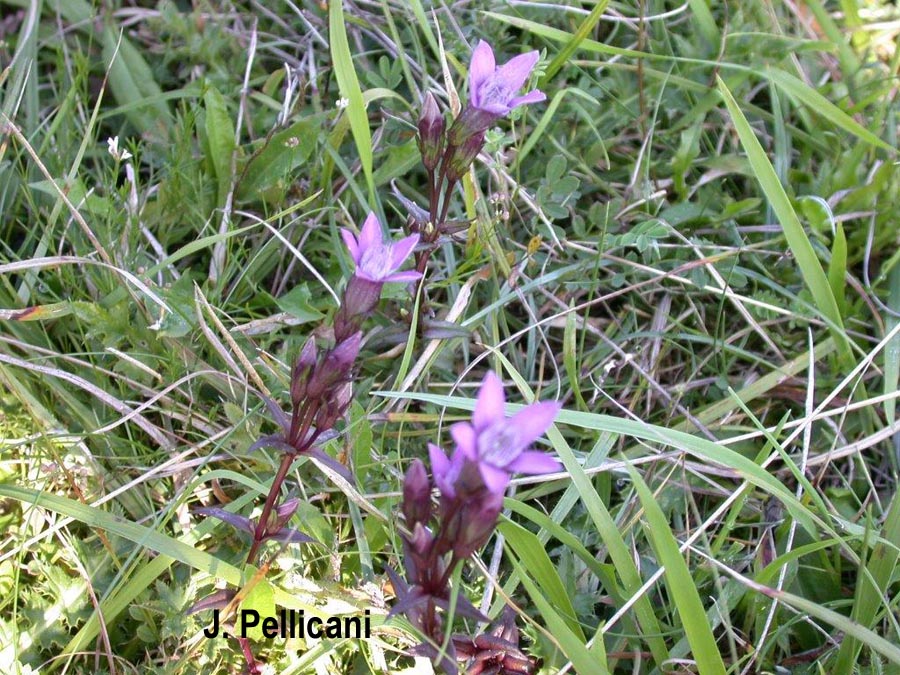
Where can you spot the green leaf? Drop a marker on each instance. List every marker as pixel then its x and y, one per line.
pixel 570 644
pixel 143 536
pixel 260 599
pixel 118 598
pixel 705 22
pixel 679 582
pixel 296 302
pixel 837 269
pixel 280 158
pixel 892 349
pixel 569 357
pixel 133 86
pixel 585 29
pixel 398 161
pixel 872 584
pixel 220 137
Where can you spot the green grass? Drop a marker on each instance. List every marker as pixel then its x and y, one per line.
pixel 692 244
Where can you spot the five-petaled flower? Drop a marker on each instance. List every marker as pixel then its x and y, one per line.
pixel 497 445
pixel 376 260
pixel 492 94
pixel 493 89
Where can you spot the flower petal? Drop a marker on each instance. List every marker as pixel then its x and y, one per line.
pixel 465 438
pixel 495 480
pixel 495 108
pixel 370 235
pixel 490 403
pixel 533 96
pixel 514 72
pixel 402 277
pixel 401 250
pixel 533 420
pixel 440 463
pixel 481 67
pixel 535 462
pixel 351 244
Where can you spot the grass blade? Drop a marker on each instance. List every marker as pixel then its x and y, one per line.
pixel 590 21
pixel 530 551
pixel 348 84
pixel 679 582
pixel 800 91
pixel 872 584
pixel 798 242
pixel 568 642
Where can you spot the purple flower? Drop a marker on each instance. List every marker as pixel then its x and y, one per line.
pixel 376 260
pixel 492 94
pixel 416 495
pixel 493 89
pixel 497 445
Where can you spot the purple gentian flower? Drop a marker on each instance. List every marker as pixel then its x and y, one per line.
pixel 496 444
pixel 376 260
pixel 493 89
pixel 492 94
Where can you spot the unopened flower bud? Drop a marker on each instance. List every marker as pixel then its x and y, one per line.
pixel 421 540
pixel 472 522
pixel 343 355
pixel 334 408
pixel 416 495
pixel 431 132
pixel 335 368
pixel 282 514
pixel 302 372
pixel 461 157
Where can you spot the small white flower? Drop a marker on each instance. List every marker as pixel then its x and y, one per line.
pixel 119 154
pixel 342 103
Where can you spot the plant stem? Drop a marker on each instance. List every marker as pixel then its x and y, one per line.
pixel 274 491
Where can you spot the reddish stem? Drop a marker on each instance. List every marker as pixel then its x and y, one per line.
pixel 274 491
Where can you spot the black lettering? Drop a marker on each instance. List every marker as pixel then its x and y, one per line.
pixel 246 615
pixel 270 627
pixel 213 630
pixel 314 621
pixel 333 627
pixel 352 621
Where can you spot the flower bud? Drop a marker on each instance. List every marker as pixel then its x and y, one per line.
pixel 335 368
pixel 471 523
pixel 302 372
pixel 461 157
pixel 431 132
pixel 421 540
pixel 344 354
pixel 334 408
pixel 282 514
pixel 416 495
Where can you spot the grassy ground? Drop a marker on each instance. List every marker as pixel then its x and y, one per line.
pixel 692 244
